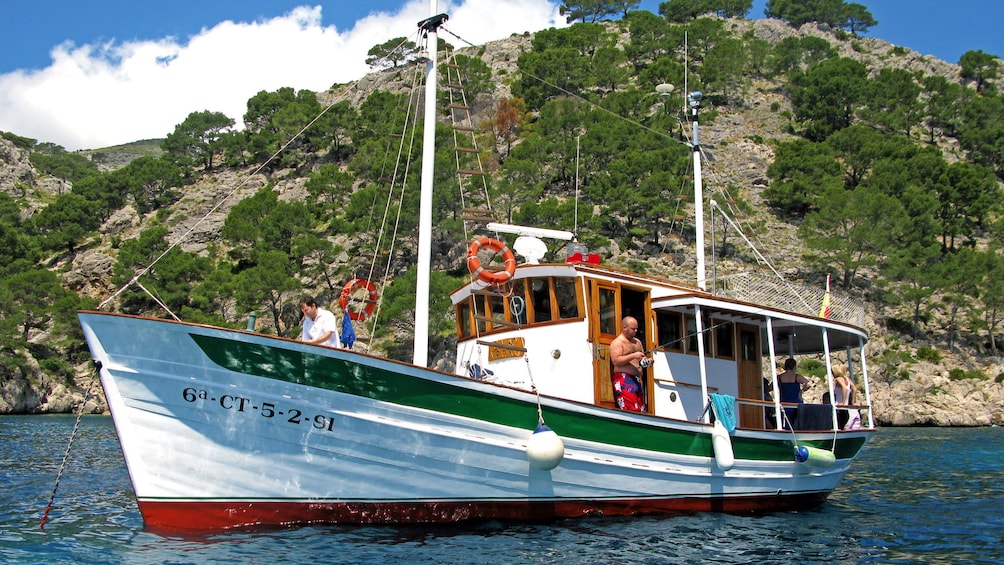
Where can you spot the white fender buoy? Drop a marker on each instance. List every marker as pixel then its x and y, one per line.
pixel 722 444
pixel 814 456
pixel 545 450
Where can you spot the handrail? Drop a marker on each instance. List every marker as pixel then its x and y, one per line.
pixel 683 384
pixel 770 403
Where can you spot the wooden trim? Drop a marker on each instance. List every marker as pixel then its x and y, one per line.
pixel 502 345
pixel 496 321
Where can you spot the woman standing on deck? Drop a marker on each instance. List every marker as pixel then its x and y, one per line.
pixel 791 385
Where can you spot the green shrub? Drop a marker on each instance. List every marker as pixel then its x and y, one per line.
pixel 958 374
pixel 18 141
pixel 929 354
pixel 812 367
pixel 899 325
pixel 56 367
pixel 638 266
pixel 893 364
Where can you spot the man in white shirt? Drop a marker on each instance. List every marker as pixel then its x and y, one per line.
pixel 319 325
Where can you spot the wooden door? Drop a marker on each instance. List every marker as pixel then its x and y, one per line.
pixel 603 327
pixel 750 379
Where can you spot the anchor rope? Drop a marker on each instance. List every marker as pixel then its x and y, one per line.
pixel 66 454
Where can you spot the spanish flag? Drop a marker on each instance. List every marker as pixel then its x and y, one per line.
pixel 824 310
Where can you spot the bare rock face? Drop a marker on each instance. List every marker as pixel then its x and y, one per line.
pixel 44 394
pixel 18 397
pixel 16 172
pixel 89 274
pixel 86 398
pixel 20 180
pixel 121 221
pixel 928 399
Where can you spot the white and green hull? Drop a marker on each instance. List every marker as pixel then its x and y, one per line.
pixel 228 429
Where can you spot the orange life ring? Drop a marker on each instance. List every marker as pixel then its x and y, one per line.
pixel 371 300
pixel 483 275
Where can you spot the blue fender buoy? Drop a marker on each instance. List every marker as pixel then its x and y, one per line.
pixel 545 450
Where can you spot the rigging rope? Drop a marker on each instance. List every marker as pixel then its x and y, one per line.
pixel 757 254
pixel 397 174
pixel 720 187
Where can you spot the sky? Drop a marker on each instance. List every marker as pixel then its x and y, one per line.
pixel 96 73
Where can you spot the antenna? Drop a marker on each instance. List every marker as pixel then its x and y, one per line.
pixel 575 222
pixel 686 66
pixel 530 232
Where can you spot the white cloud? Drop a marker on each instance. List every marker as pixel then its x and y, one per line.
pixel 98 95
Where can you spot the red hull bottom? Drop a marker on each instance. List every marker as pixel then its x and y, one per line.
pixel 205 517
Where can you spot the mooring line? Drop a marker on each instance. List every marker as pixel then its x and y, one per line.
pixel 66 455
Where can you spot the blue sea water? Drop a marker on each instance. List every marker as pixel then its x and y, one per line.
pixel 915 495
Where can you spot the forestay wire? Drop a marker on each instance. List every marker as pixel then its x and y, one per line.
pixel 145 270
pixel 213 210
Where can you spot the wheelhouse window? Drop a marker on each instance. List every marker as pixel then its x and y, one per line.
pixel 747 346
pixel 608 311
pixel 568 302
pixel 480 319
pixel 540 294
pixel 496 308
pixel 518 306
pixel 465 327
pixel 529 301
pixel 691 336
pixel 724 339
pixel 668 330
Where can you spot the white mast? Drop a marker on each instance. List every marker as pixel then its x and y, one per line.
pixel 694 98
pixel 420 355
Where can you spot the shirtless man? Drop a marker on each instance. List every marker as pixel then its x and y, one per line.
pixel 628 356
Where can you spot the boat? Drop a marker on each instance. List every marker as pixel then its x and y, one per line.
pixel 225 429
